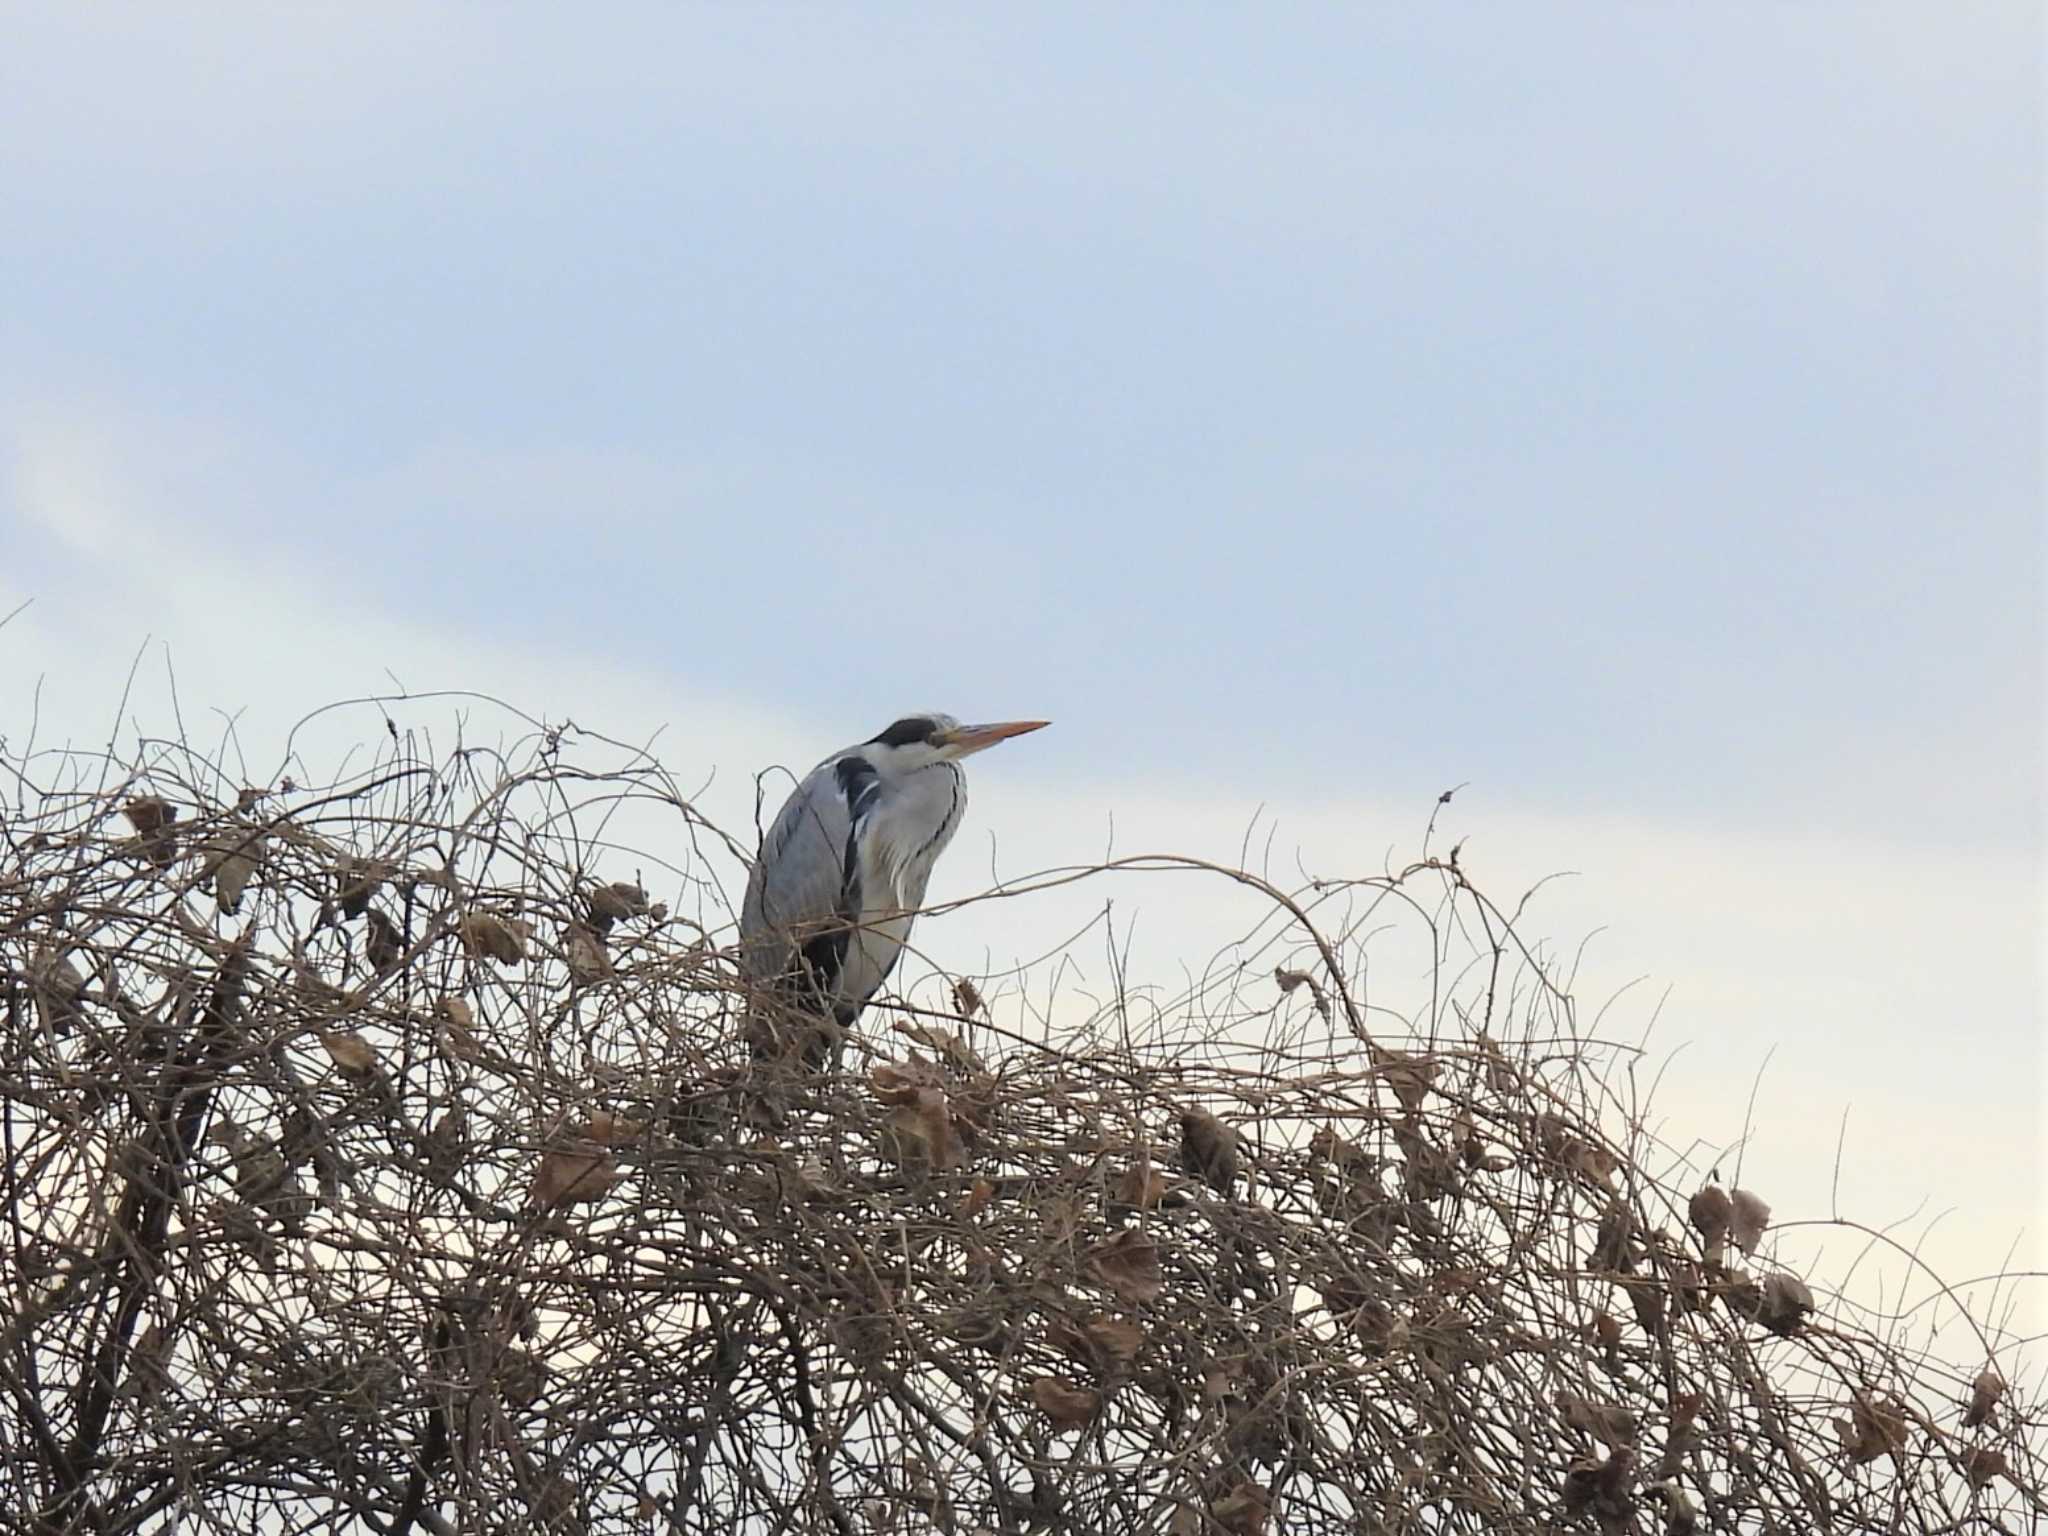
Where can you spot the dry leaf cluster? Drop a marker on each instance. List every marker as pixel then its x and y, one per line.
pixel 381 1156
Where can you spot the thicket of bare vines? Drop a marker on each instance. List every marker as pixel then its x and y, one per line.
pixel 386 1153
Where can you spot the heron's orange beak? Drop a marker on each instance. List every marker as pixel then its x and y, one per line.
pixel 967 739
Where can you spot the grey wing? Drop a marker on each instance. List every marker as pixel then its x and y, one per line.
pixel 799 880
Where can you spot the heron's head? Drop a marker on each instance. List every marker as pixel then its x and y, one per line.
pixel 918 740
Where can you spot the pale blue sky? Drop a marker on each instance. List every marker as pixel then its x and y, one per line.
pixel 1633 410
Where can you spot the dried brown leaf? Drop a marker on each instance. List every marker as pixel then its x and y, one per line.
pixel 580 1172
pixel 150 1360
pixel 1685 1412
pixel 1354 1301
pixel 1115 1340
pixel 555 1499
pixel 1428 1171
pixel 584 953
pixel 522 1377
pixel 447 1139
pixel 1681 1514
pixel 1749 1216
pixel 614 903
pixel 613 1130
pixel 1472 1148
pixel 1059 1217
pixel 1288 980
pixel 1065 1335
pixel 1609 1423
pixel 355 882
pixel 1985 1392
pixel 1647 1297
pixel 154 820
pixel 1068 1406
pixel 1981 1463
pixel 1551 1133
pixel 981 1327
pixel 490 937
pixel 1874 1428
pixel 232 858
pixel 1783 1303
pixel 950 1048
pixel 1129 1265
pixel 1242 1510
pixel 383 946
pixel 1222 1379
pixel 149 814
pixel 1208 1149
pixel 1711 1213
pixel 1408 1075
pixel 1590 1161
pixel 976 1200
pixel 458 1028
pixel 1601 1488
pixel 1739 1292
pixel 59 988
pixel 922 1133
pixel 1614 1245
pixel 814 1182
pixel 896 1082
pixel 1681 1436
pixel 1329 1146
pixel 1689 1288
pixel 1606 1331
pixel 352 1055
pixel 1141 1186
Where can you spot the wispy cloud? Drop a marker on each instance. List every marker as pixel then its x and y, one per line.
pixel 1885 997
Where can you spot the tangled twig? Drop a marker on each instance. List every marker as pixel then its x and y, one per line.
pixel 380 1153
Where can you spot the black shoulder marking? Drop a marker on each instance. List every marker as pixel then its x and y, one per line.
pixel 862 786
pixel 911 728
pixel 858 781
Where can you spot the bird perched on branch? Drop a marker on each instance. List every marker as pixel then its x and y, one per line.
pixel 843 870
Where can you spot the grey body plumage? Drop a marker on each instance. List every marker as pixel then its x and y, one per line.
pixel 844 866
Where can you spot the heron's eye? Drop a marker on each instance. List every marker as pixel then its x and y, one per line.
pixel 912 728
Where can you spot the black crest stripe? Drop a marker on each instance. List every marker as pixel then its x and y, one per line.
pixel 911 728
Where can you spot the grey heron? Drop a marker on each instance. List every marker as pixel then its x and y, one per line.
pixel 843 868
